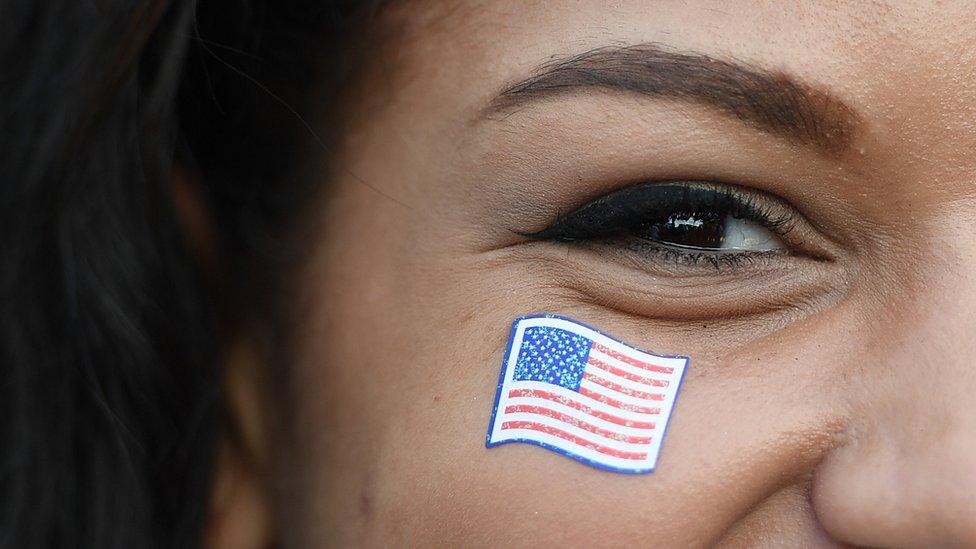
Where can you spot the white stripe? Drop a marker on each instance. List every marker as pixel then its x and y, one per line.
pixel 589 453
pixel 582 416
pixel 588 401
pixel 624 398
pixel 617 363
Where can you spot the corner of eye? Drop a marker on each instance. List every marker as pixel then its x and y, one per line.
pixel 551 230
pixel 543 234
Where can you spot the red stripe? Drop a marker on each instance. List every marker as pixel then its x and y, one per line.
pixel 632 361
pixel 595 413
pixel 533 426
pixel 543 411
pixel 620 388
pixel 625 374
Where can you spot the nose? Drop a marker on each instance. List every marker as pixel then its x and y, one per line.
pixel 906 476
pixel 912 488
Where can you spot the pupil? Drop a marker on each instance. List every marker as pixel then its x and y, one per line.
pixel 689 230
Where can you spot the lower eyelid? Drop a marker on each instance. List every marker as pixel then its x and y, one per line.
pixel 610 275
pixel 690 257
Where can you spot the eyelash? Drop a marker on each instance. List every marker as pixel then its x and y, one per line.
pixel 618 213
pixel 718 260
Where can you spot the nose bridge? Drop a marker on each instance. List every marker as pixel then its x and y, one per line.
pixel 924 361
pixel 907 475
pixel 936 337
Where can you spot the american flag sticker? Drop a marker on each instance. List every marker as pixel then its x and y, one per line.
pixel 571 389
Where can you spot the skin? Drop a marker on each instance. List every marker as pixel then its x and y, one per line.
pixel 828 402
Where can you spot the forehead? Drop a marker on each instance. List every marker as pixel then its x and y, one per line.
pixel 907 68
pixel 750 27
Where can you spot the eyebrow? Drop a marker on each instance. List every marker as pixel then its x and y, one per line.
pixel 773 102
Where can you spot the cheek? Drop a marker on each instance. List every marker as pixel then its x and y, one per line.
pixel 397 379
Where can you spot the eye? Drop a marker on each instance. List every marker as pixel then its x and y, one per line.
pixel 690 220
pixel 712 231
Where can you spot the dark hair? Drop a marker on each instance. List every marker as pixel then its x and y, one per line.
pixel 109 399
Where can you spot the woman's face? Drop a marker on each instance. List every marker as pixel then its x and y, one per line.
pixel 830 396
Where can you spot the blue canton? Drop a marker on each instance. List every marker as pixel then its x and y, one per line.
pixel 552 355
